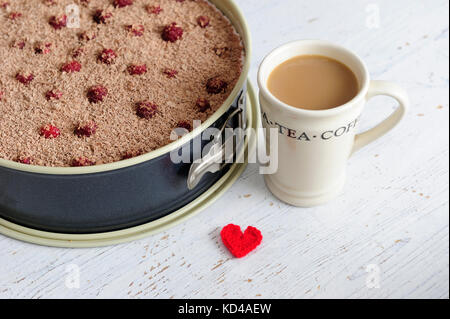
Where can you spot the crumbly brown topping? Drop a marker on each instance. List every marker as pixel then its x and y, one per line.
pixel 59 78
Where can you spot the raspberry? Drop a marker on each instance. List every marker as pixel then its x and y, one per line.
pixel 129 155
pixel 86 129
pixel 87 36
pixel 97 94
pixel 136 30
pixel 20 44
pixel 1 95
pixel 81 162
pixel 170 73
pixel 50 131
pixel 185 125
pixel 172 33
pixel 203 105
pixel 107 56
pixel 216 85
pixel 146 110
pixel 77 52
pixel 203 21
pixel 50 2
pixel 53 95
pixel 15 15
pixel 137 69
pixel 58 22
pixel 122 3
pixel 42 48
pixel 24 160
pixel 102 17
pixel 71 67
pixel 4 5
pixel 220 51
pixel 154 10
pixel 25 79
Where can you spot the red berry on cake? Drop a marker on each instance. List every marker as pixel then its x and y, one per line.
pixel 58 22
pixel 76 53
pixel 203 21
pixel 170 73
pixel 146 110
pixel 24 160
pixel 185 125
pixel 4 5
pixel 156 10
pixel 42 48
pixel 107 56
pixel 129 155
pixel 1 95
pixel 137 69
pixel 49 131
pixel 221 51
pixel 15 15
pixel 82 161
pixel 20 44
pixel 216 86
pixel 102 17
pixel 203 105
pixel 71 67
pixel 53 95
pixel 86 129
pixel 87 36
pixel 25 78
pixel 122 3
pixel 49 3
pixel 136 30
pixel 97 93
pixel 172 33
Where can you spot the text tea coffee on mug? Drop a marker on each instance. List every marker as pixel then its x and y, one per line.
pixel 312 94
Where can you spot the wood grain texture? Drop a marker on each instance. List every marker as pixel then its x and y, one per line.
pixel 393 214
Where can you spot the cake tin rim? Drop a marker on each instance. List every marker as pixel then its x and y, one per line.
pixel 236 16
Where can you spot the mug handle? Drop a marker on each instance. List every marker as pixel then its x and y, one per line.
pixel 390 89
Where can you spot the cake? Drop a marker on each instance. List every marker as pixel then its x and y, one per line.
pixel 114 86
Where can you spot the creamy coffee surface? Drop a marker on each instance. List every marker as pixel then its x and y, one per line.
pixel 313 82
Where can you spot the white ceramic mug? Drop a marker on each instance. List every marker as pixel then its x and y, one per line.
pixel 314 146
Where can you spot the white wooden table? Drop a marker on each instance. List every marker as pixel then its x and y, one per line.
pixel 391 224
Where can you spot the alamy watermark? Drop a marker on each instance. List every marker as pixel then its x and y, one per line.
pixel 227 146
pixel 73 16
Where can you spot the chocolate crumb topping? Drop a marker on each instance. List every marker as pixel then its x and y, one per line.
pixel 67 97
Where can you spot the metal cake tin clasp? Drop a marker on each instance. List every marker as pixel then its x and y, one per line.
pixel 217 157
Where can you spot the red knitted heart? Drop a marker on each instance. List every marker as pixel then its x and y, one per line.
pixel 238 243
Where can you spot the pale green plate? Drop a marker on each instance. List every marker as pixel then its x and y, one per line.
pixel 111 238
